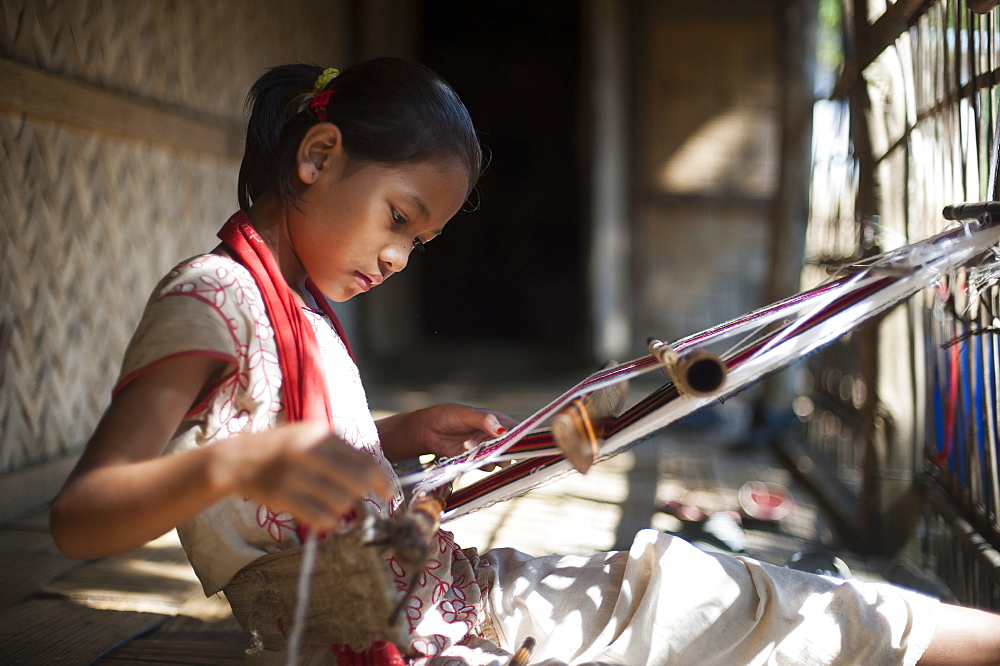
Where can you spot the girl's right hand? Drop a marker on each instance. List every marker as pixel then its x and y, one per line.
pixel 301 468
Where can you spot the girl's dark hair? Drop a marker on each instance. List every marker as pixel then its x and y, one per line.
pixel 389 111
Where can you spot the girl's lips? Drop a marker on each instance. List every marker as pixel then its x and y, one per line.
pixel 366 282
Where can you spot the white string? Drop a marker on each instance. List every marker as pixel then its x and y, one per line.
pixel 985 275
pixel 889 235
pixel 309 548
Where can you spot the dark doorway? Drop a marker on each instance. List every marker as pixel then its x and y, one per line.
pixel 511 273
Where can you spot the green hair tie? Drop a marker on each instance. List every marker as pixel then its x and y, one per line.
pixel 324 79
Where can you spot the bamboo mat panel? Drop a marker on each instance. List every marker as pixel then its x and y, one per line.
pixel 143 607
pixel 201 56
pixel 51 631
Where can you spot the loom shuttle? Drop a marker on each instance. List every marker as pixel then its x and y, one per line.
pixel 696 372
pixel 411 539
pixel 578 429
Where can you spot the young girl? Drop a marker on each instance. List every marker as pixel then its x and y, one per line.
pixel 241 373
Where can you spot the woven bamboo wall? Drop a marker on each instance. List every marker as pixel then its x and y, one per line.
pixel 89 219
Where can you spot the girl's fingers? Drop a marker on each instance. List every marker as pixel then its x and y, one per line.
pixel 305 470
pixel 493 426
pixel 499 423
pixel 482 421
pixel 341 464
pixel 321 508
pixel 315 497
pixel 349 468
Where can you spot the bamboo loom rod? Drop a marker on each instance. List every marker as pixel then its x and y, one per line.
pixel 971 538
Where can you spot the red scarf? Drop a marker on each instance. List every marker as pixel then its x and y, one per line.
pixel 304 384
pixel 305 391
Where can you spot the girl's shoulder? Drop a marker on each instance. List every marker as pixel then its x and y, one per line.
pixel 208 304
pixel 207 266
pixel 209 277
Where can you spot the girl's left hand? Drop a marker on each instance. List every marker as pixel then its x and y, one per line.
pixel 445 429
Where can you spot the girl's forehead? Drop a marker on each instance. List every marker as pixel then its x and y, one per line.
pixel 450 167
pixel 434 188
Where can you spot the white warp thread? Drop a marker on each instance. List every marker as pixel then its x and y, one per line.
pixel 302 598
pixel 912 268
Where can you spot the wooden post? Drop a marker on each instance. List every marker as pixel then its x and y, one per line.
pixel 866 211
pixel 611 227
pixel 790 212
pixel 790 208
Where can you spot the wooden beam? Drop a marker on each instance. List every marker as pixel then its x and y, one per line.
pixel 982 6
pixel 873 39
pixel 51 97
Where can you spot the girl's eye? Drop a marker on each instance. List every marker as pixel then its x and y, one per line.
pixel 419 245
pixel 398 218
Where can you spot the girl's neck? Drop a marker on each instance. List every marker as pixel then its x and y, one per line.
pixel 270 218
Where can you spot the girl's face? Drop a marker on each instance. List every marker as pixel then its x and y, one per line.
pixel 354 228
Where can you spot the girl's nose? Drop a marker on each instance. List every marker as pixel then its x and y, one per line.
pixel 393 258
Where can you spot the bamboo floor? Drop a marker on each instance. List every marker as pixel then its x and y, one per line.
pixel 146 607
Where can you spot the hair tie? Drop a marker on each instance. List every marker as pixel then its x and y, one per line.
pixel 324 79
pixel 318 104
pixel 321 97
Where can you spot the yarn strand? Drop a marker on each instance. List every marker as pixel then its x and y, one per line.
pixel 302 598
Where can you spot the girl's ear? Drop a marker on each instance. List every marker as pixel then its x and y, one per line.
pixel 322 148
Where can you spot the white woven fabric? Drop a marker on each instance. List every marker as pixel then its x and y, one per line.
pixel 666 602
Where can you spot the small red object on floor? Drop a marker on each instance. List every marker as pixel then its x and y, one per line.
pixel 760 500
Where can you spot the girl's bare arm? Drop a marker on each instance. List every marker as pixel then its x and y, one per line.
pixel 123 493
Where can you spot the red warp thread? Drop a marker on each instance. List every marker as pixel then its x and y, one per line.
pixel 950 407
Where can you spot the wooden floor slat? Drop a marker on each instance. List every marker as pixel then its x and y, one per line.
pixel 29 559
pixel 187 653
pixel 46 631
